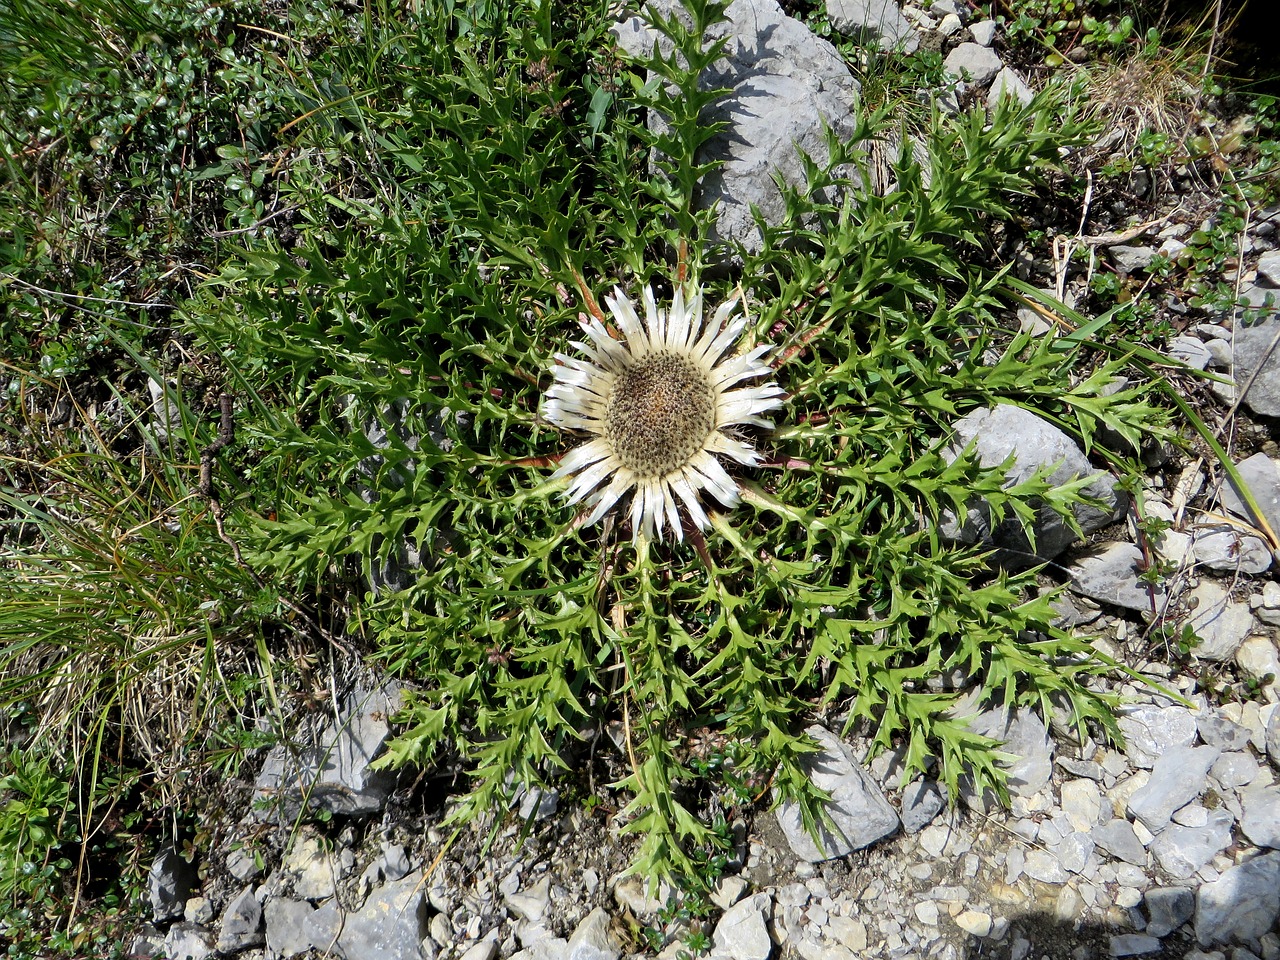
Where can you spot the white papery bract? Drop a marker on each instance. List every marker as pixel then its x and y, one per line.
pixel 660 407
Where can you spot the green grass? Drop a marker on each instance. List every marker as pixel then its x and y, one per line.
pixel 395 219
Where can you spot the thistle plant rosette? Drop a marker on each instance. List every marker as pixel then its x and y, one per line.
pixel 660 406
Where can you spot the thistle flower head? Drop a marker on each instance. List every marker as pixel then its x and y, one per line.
pixel 659 407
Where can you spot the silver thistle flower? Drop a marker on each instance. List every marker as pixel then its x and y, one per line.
pixel 660 407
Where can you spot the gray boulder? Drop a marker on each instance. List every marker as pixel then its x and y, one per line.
pixel 880 20
pixel 785 84
pixel 1006 431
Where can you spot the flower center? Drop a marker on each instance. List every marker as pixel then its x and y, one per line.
pixel 661 413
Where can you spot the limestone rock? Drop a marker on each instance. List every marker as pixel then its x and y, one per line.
pixel 190 941
pixel 972 62
pixel 241 924
pixel 1112 574
pixel 1220 622
pixel 170 882
pixel 1177 778
pixel 334 774
pixel 287 931
pixel 1261 475
pixel 860 813
pixel 390 925
pixel 1168 908
pixel 1255 329
pixel 785 85
pixel 1150 731
pixel 1008 84
pixel 1261 820
pixel 1242 904
pixel 1182 850
pixel 742 932
pixel 1006 431
pixel 881 19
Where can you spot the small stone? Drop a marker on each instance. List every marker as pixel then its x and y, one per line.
pixel 189 941
pixel 1133 944
pixel 1184 850
pixel 395 862
pixel 1190 350
pixel 1075 852
pixel 389 926
pixel 927 912
pixel 848 933
pixel 1131 259
pixel 1110 574
pixel 486 949
pixel 742 932
pixel 1192 815
pixel 983 32
pixel 860 815
pixel 949 25
pixel 313 870
pixel 531 904
pixel 1150 731
pixel 1082 803
pixel 1232 770
pixel 1217 731
pixel 632 893
pixel 921 802
pixel 1258 660
pixel 881 19
pixel 1044 866
pixel 1168 908
pixel 1177 778
pixel 241 924
pixel 198 910
pixel 592 940
pixel 973 62
pixel 1262 477
pixel 1219 622
pixel 336 774
pixel 1089 769
pixel 287 929
pixel 440 929
pixel 1269 268
pixel 974 923
pixel 243 865
pixel 170 882
pixel 1128 897
pixel 1229 550
pixel 1118 839
pixel 1261 820
pixel 729 890
pixel 1008 84
pixel 1024 736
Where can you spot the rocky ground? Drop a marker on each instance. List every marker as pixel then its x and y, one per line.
pixel 1169 848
